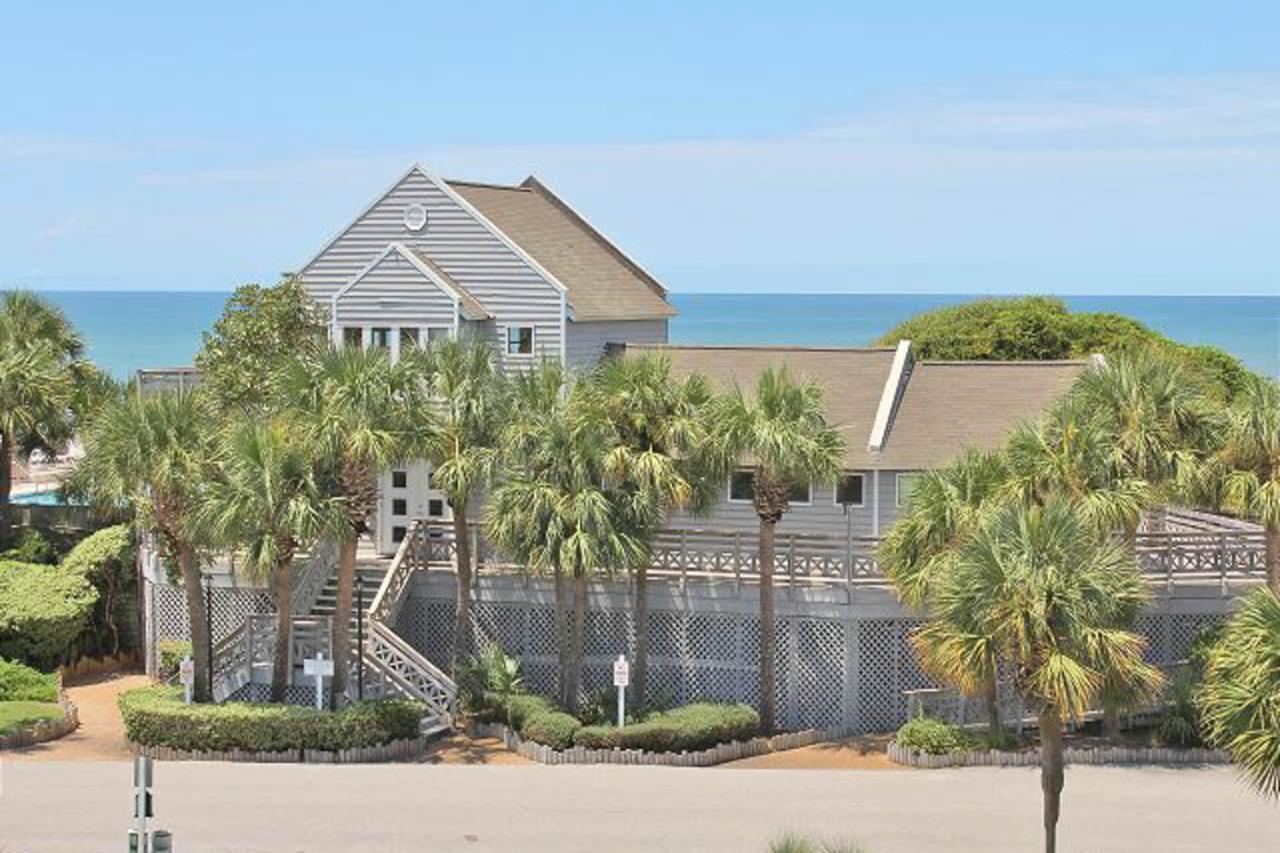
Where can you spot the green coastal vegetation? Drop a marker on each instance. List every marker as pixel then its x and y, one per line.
pixel 1021 561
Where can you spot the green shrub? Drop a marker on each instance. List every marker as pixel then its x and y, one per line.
pixel 933 736
pixel 106 559
pixel 157 716
pixel 30 546
pixel 42 611
pixel 1179 723
pixel 19 683
pixel 551 728
pixel 172 653
pixel 792 843
pixel 687 728
pixel 522 706
pixel 488 680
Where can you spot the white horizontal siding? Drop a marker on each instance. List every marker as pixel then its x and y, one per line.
pixel 394 293
pixel 503 282
pixel 586 341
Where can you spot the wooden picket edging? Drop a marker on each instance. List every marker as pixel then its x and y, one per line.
pixel 731 751
pixel 45 730
pixel 1073 755
pixel 396 750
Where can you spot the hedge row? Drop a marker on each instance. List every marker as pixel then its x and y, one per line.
pixel 43 609
pixel 684 729
pixel 19 683
pixel 687 728
pixel 158 717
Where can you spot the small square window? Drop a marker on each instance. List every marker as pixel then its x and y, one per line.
pixel 905 483
pixel 352 336
pixel 399 506
pixel 435 508
pixel 849 490
pixel 397 534
pixel 380 337
pixel 520 340
pixel 742 486
pixel 399 479
pixel 408 339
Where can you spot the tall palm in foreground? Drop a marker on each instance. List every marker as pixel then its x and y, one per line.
pixel 779 430
pixel 1245 471
pixel 40 369
pixel 1240 697
pixel 351 406
pixel 557 510
pixel 948 505
pixel 659 422
pixel 466 398
pixel 154 452
pixel 1051 595
pixel 268 502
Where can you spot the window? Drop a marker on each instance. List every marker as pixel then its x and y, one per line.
pixel 399 479
pixel 408 339
pixel 435 508
pixel 849 490
pixel 905 483
pixel 439 333
pixel 742 488
pixel 399 506
pixel 380 337
pixel 397 534
pixel 520 340
pixel 352 336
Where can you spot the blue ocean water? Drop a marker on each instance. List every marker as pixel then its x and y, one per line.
pixel 127 330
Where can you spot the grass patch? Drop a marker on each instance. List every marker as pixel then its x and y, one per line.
pixel 20 715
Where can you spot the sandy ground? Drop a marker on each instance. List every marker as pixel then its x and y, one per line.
pixel 863 752
pixel 101 734
pixel 460 749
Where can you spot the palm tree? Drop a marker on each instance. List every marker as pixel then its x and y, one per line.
pixel 351 406
pixel 659 423
pixel 781 432
pixel 269 502
pixel 1245 470
pixel 556 509
pixel 153 452
pixel 1049 594
pixel 1240 697
pixel 461 443
pixel 948 505
pixel 40 369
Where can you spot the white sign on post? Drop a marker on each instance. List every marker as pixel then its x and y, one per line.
pixel 319 668
pixel 187 675
pixel 621 679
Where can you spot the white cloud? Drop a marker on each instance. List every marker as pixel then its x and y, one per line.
pixel 64 228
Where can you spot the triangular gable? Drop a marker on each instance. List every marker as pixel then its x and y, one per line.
pixel 467 305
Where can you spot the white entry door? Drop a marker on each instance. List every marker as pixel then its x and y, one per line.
pixel 405 494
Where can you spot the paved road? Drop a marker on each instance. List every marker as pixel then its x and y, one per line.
pixel 83 807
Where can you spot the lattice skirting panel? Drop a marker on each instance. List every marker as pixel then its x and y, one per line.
pixel 166 613
pixel 848 671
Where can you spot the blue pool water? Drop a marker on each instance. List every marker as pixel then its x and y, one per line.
pixel 46 498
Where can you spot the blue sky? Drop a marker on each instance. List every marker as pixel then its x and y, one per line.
pixel 911 147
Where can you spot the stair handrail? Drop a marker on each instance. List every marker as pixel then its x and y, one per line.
pixel 312 574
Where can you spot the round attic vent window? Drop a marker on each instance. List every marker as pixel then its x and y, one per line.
pixel 415 217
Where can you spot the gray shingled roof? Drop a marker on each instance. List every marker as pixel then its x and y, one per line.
pixel 852 379
pixel 603 283
pixel 951 405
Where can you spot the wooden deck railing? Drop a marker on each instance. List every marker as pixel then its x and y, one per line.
pixel 814 559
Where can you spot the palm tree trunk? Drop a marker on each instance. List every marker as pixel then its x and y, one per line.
pixel 280 663
pixel 6 468
pixel 340 630
pixel 462 638
pixel 768 628
pixel 562 635
pixel 577 642
pixel 640 618
pixel 198 623
pixel 1051 774
pixel 994 723
pixel 1273 557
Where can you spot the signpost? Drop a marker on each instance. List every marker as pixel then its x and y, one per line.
pixel 187 675
pixel 320 668
pixel 621 678
pixel 141 804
